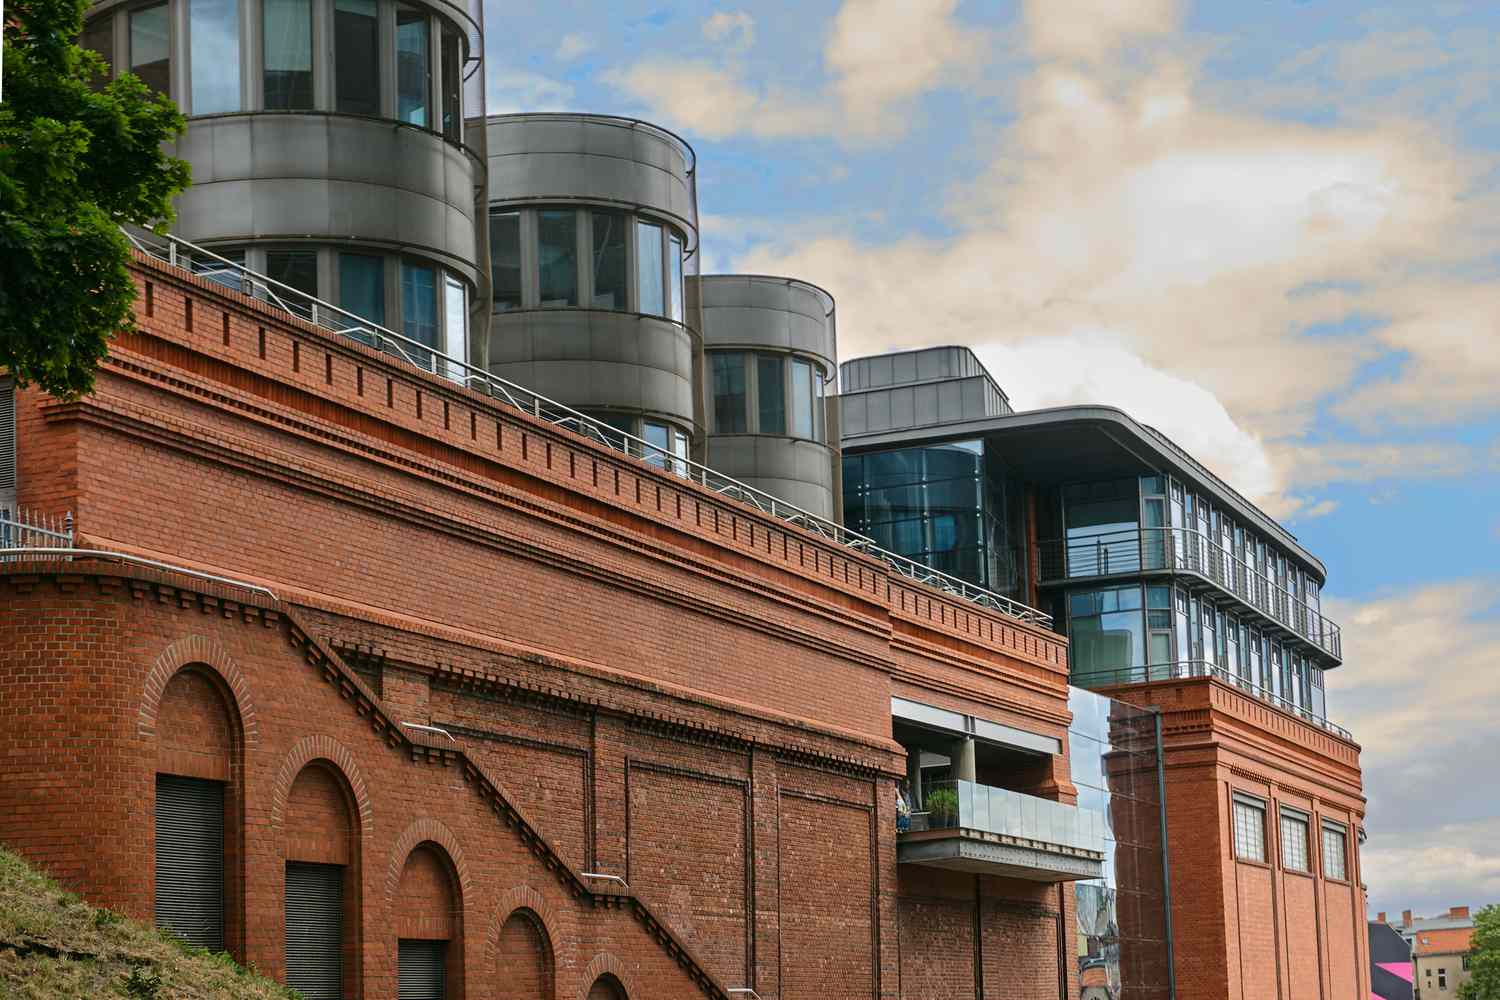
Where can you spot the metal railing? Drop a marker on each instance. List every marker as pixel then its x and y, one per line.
pixel 1184 669
pixel 194 259
pixel 1188 550
pixel 968 805
pixel 41 536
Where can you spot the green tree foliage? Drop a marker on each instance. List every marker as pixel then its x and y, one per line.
pixel 75 163
pixel 1484 959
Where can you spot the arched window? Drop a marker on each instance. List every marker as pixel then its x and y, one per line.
pixel 322 884
pixel 429 927
pixel 524 959
pixel 199 759
pixel 607 987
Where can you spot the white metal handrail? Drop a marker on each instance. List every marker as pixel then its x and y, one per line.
pixel 180 253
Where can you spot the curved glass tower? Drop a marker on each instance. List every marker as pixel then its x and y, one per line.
pixel 593 223
pixel 770 351
pixel 329 144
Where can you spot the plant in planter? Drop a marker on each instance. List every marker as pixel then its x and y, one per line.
pixel 942 805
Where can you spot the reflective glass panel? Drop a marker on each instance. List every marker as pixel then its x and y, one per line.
pixel 729 393
pixel 214 31
pixel 557 256
pixel 649 268
pixel 608 260
pixel 1249 831
pixel 802 399
pixel 1293 843
pixel 413 66
pixel 455 324
pixel 1335 864
pixel 356 44
pixel 505 260
pixel 770 388
pixel 297 268
pixel 287 28
pixel 659 435
pixel 419 303
pixel 674 276
pixel 362 286
pixel 452 85
pixel 150 56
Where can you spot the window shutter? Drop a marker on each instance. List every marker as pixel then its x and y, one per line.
pixel 190 859
pixel 314 930
pixel 420 974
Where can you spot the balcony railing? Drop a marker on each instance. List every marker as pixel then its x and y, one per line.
pixel 33 532
pixel 205 263
pixel 1203 668
pixel 968 805
pixel 1187 550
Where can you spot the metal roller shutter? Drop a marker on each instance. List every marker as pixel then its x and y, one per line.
pixel 420 974
pixel 190 859
pixel 315 929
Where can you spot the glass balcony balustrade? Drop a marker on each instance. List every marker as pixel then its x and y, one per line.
pixel 1186 550
pixel 968 805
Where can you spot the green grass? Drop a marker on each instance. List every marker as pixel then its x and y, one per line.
pixel 53 944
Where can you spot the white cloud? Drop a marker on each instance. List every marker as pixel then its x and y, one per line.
pixel 574 45
pixel 521 90
pixel 1090 30
pixel 881 54
pixel 732 27
pixel 1420 692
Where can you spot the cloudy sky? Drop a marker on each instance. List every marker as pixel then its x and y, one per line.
pixel 1271 229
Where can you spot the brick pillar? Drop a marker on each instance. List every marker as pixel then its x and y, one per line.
pixel 610 807
pixel 764 793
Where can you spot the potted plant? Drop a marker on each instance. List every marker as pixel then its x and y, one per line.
pixel 942 807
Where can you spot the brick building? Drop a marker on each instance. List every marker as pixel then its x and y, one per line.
pixel 328 646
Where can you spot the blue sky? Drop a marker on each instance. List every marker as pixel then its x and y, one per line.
pixel 1268 228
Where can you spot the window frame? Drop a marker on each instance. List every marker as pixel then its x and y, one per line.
pixel 1239 801
pixel 1327 827
pixel 1288 815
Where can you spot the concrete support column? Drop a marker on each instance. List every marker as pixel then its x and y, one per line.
pixel 914 778
pixel 963 759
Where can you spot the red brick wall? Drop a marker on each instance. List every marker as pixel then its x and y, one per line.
pixel 318 827
pixel 525 956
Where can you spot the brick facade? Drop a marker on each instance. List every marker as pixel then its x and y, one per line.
pixel 633 676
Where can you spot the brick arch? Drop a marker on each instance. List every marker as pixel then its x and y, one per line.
pixel 198 650
pixel 331 751
pixel 603 963
pixel 524 899
pixel 419 832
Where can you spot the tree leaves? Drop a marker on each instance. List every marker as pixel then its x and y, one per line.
pixel 75 164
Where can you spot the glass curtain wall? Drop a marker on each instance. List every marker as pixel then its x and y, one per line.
pixel 214 36
pixel 730 395
pixel 505 260
pixel 362 286
pixel 608 261
pixel 927 503
pixel 1123 944
pixel 557 243
pixel 649 274
pixel 770 393
pixel 413 67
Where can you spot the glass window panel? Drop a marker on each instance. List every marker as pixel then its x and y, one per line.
pixel 99 37
pixel 1293 843
pixel 419 306
pixel 557 256
pixel 297 268
pixel 820 430
pixel 362 286
pixel 802 419
pixel 505 260
pixel 648 268
pixel 413 66
pixel 214 31
pixel 729 393
pixel 1249 831
pixel 659 435
pixel 674 276
pixel 770 388
pixel 452 85
pixel 1335 863
pixel 356 41
pixel 287 27
pixel 150 54
pixel 455 323
pixel 608 260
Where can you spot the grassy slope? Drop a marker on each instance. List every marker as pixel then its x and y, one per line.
pixel 52 944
